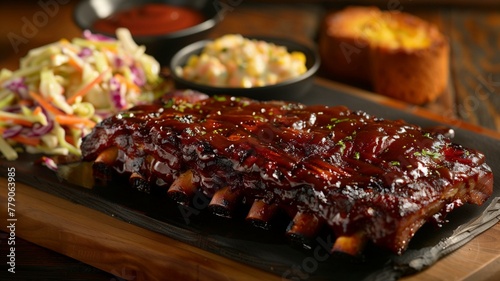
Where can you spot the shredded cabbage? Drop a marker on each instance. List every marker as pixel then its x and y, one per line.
pixel 61 90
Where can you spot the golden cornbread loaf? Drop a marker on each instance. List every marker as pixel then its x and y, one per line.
pixel 398 54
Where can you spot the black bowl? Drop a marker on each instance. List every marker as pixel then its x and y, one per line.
pixel 291 89
pixel 162 46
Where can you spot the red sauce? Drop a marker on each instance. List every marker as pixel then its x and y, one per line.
pixel 150 19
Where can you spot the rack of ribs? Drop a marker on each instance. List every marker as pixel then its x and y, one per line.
pixel 365 179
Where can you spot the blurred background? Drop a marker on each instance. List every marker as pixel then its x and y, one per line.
pixel 472 26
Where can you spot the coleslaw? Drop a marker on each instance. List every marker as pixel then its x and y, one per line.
pixel 61 90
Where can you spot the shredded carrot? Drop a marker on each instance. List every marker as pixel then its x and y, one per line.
pixel 25 102
pixel 25 140
pixel 37 110
pixel 17 121
pixel 69 139
pixel 72 120
pixel 129 84
pixel 75 64
pixel 87 87
pixel 45 104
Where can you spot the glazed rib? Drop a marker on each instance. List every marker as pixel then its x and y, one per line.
pixel 365 178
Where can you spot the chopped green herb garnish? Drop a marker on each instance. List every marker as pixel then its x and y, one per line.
pixel 336 120
pixel 342 146
pixel 169 104
pixel 259 118
pixel 220 98
pixel 429 153
pixel 428 135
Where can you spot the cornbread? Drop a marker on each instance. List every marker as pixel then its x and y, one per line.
pixel 397 54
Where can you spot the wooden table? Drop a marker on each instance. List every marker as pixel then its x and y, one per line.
pixel 473 96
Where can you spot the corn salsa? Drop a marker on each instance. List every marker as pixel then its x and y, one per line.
pixel 238 62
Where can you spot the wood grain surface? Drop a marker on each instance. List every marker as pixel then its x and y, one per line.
pixel 473 94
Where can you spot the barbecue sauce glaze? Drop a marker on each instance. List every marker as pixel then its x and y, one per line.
pixel 358 172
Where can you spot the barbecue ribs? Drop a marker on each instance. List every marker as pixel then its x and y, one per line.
pixel 363 177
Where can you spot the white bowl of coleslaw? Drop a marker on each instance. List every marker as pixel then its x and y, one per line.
pixel 262 68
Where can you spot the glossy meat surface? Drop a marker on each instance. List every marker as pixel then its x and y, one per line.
pixel 352 171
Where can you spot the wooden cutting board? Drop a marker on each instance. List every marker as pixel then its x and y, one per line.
pixel 105 240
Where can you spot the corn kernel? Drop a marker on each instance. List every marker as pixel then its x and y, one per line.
pixel 193 60
pixel 299 56
pixel 246 82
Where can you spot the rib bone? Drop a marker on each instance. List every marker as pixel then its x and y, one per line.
pixel 108 156
pixel 352 245
pixel 261 213
pixel 183 188
pixel 224 201
pixel 304 227
pixel 139 182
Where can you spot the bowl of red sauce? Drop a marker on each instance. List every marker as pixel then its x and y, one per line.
pixel 163 27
